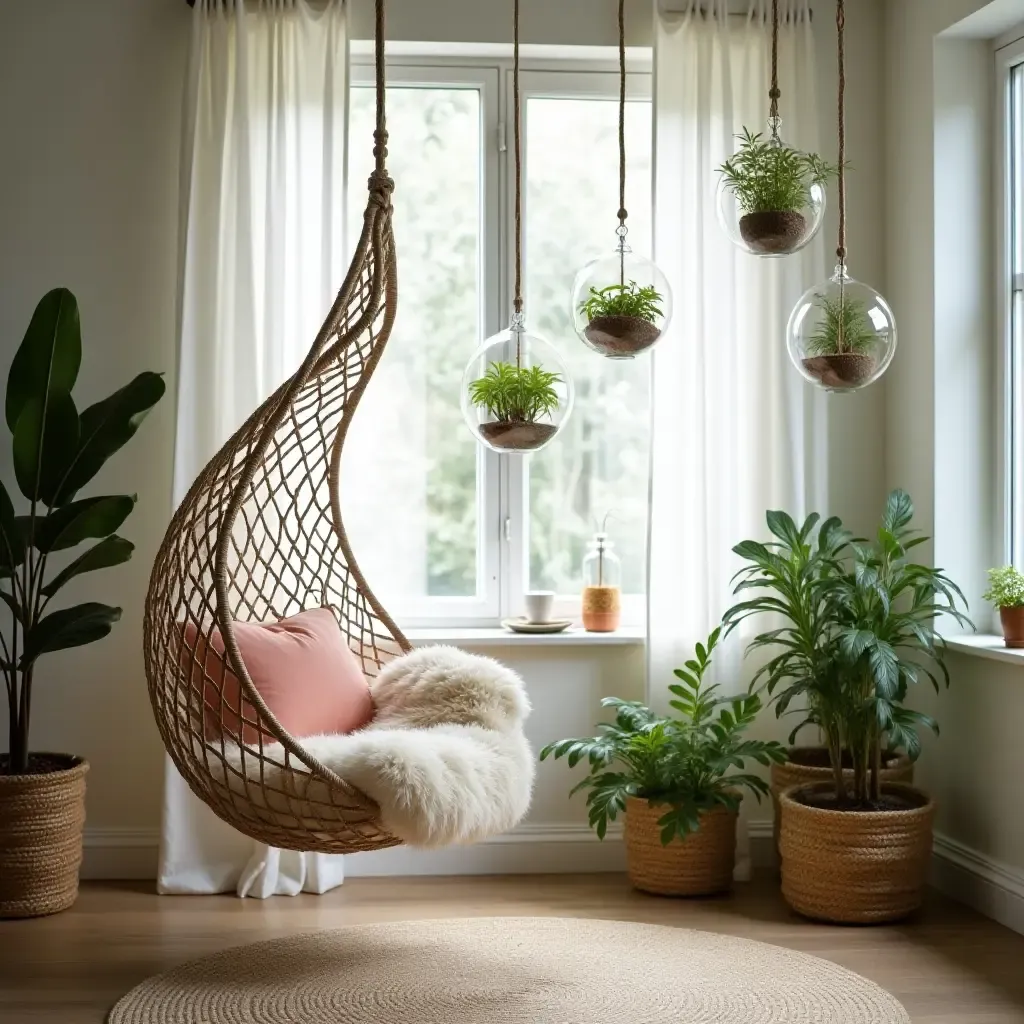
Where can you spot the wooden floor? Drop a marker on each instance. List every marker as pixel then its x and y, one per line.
pixel 950 966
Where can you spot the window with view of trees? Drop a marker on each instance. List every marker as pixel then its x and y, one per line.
pixel 1011 70
pixel 444 530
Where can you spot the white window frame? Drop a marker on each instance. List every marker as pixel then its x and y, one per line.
pixel 503 480
pixel 1010 356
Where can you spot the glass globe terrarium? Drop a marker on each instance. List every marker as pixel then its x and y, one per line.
pixel 621 303
pixel 516 391
pixel 771 197
pixel 841 334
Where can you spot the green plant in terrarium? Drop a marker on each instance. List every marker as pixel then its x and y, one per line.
pixel 1005 587
pixel 843 330
pixel 516 394
pixel 631 299
pixel 767 177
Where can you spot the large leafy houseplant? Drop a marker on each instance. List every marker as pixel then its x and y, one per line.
pixel 687 764
pixel 57 451
pixel 859 630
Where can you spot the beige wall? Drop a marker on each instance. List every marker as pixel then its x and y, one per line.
pixel 90 101
pixel 940 395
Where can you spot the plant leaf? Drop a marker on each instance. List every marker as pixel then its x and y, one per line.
pixel 899 510
pixel 68 627
pixel 45 438
pixel 12 545
pixel 88 518
pixel 107 426
pixel 48 358
pixel 109 552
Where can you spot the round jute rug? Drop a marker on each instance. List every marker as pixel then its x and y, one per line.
pixel 509 971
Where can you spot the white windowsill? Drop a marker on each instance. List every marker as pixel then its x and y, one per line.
pixel 985 645
pixel 574 636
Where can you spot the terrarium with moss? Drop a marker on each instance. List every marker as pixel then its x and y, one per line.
pixel 771 197
pixel 515 406
pixel 842 335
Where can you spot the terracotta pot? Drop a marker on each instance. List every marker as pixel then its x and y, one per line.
pixel 1013 625
pixel 807 765
pixel 700 865
pixel 840 372
pixel 42 816
pixel 773 232
pixel 621 337
pixel 517 436
pixel 855 867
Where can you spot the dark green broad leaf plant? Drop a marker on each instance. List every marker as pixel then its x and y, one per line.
pixel 856 626
pixel 57 451
pixel 687 763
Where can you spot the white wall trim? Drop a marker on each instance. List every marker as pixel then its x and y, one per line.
pixel 983 883
pixel 121 854
pixel 132 854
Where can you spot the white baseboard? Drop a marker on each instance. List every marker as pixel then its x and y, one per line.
pixel 120 854
pixel 987 885
pixel 529 850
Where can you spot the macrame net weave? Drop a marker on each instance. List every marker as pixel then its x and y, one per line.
pixel 260 537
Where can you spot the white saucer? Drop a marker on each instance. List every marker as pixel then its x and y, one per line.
pixel 522 625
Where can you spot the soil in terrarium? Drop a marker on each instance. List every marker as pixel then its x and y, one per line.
pixel 621 336
pixel 773 232
pixel 517 436
pixel 845 370
pixel 602 609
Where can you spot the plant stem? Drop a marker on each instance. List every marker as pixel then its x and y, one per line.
pixel 876 766
pixel 835 754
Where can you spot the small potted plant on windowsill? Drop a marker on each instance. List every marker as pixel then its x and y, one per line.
pixel 840 353
pixel 622 319
pixel 772 184
pixel 517 398
pixel 56 452
pixel 1006 592
pixel 673 779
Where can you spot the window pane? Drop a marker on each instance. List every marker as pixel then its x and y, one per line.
pixel 599 464
pixel 1015 362
pixel 412 510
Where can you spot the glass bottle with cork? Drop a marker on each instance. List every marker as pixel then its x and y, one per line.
pixel 602 578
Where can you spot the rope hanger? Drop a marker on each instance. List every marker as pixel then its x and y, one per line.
pixel 841 184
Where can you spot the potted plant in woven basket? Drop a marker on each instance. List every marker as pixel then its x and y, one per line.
pixel 787 575
pixel 622 319
pixel 678 780
pixel 772 184
pixel 517 398
pixel 857 851
pixel 1006 592
pixel 57 451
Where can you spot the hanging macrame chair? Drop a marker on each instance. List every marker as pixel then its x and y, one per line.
pixel 260 537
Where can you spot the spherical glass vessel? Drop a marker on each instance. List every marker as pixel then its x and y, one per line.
pixel 841 334
pixel 768 201
pixel 516 392
pixel 621 303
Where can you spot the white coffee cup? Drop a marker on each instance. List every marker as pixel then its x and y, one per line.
pixel 539 605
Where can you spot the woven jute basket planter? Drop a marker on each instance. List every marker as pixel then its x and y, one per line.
pixel 801 770
pixel 41 820
pixel 699 865
pixel 855 867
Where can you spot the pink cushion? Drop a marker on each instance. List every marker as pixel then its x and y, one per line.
pixel 301 667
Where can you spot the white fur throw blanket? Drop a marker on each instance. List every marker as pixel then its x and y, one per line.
pixel 445 757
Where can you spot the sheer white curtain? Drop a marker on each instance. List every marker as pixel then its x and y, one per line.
pixel 263 185
pixel 735 429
